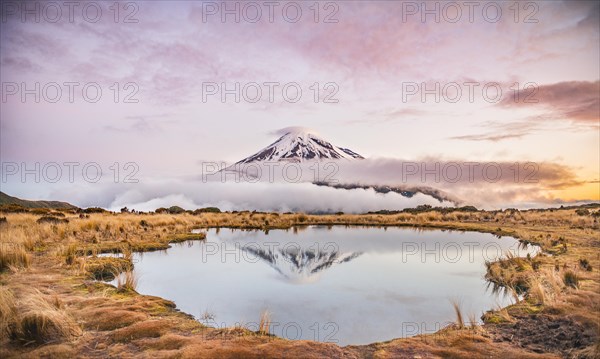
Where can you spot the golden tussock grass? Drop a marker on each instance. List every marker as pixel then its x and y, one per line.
pixel 553 280
pixel 39 320
pixel 66 247
pixel 145 329
pixel 166 342
pixel 545 287
pixel 127 281
pixel 105 268
pixel 571 279
pixel 537 292
pixel 265 322
pixel 458 312
pixel 111 318
pixel 13 256
pixel 7 311
pixel 473 320
pixel 499 315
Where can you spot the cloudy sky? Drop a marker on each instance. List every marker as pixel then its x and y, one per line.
pixel 492 81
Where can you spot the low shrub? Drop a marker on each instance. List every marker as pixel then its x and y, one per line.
pixel 207 210
pixel 52 220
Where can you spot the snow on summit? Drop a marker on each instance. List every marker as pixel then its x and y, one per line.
pixel 299 144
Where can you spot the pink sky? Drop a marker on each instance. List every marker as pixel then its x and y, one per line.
pixel 371 53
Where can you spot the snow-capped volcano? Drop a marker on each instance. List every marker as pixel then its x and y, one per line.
pixel 299 145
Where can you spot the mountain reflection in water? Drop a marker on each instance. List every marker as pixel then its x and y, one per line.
pixel 301 265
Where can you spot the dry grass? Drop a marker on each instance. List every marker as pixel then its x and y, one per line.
pixel 13 256
pixel 8 311
pixel 553 280
pixel 207 317
pixel 127 282
pixel 537 292
pixel 111 318
pixel 545 287
pixel 145 329
pixel 63 249
pixel 70 254
pixel 458 311
pixel 264 324
pixel 38 320
pixel 510 289
pixel 105 268
pixel 571 279
pixel 499 315
pixel 473 320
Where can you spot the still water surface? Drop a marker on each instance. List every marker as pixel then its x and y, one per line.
pixel 347 285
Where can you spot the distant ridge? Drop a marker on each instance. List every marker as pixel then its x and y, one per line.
pixel 9 200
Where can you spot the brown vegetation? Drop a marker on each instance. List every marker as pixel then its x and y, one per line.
pixel 51 305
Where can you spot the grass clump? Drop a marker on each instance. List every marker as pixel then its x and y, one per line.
pixel 13 255
pixel 127 282
pixel 498 316
pixel 537 292
pixel 585 264
pixel 105 268
pixel 571 279
pixel 582 212
pixel 459 317
pixel 40 321
pixel 473 320
pixel 265 322
pixel 7 312
pixel 188 237
pixel 70 254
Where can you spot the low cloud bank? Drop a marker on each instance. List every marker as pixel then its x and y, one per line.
pixel 482 184
pixel 241 196
pixel 346 186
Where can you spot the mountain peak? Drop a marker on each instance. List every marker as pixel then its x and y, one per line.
pixel 296 131
pixel 300 144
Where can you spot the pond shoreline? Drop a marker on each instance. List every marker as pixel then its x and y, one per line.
pixel 568 240
pixel 325 261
